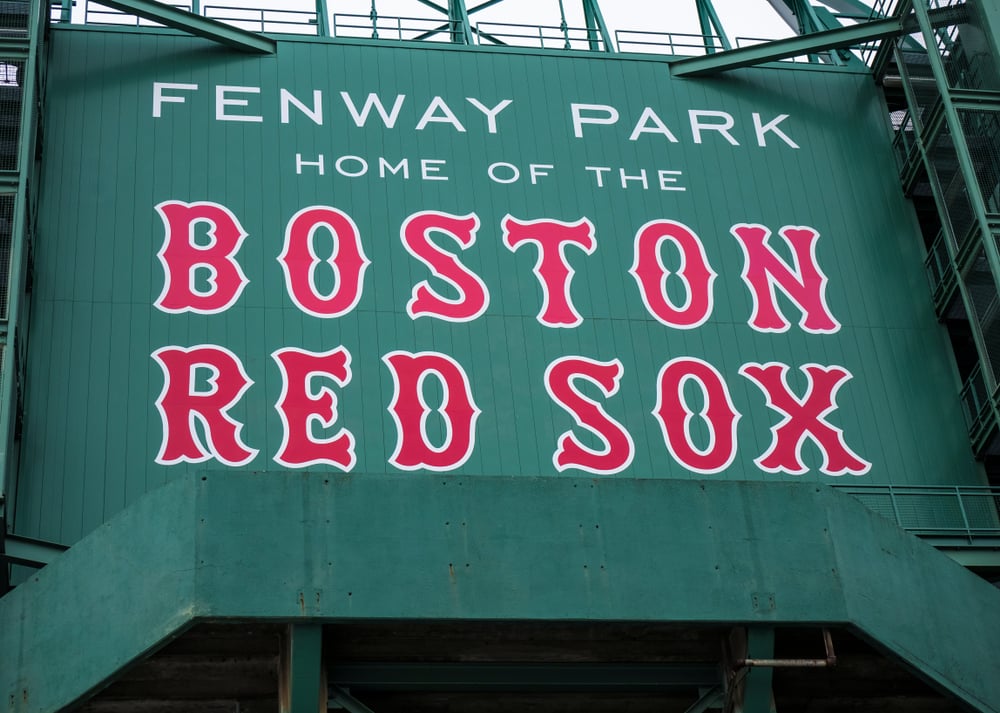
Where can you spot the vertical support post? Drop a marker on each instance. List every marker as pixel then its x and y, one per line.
pixel 302 684
pixel 196 7
pixel 66 11
pixel 711 26
pixel 458 19
pixel 757 697
pixel 562 26
pixel 322 19
pixel 808 23
pixel 965 516
pixel 595 20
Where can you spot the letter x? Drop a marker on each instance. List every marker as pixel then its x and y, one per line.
pixel 804 418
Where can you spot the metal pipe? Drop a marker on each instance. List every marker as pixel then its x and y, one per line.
pixel 830 660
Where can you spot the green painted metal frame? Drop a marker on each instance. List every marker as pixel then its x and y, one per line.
pixel 806 44
pixel 302 672
pixel 220 32
pixel 710 25
pixel 18 263
pixel 322 18
pixel 757 684
pixel 927 20
pixel 595 21
pixel 681 551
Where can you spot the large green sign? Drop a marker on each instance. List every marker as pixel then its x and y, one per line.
pixel 385 259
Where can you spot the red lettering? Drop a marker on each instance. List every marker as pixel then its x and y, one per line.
pixel 618 448
pixel 410 411
pixel 764 270
pixel 651 274
pixel 804 418
pixel 473 296
pixel 303 406
pixel 552 269
pixel 299 262
pixel 183 258
pixel 182 405
pixel 674 415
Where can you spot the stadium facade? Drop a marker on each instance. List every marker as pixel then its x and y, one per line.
pixel 371 363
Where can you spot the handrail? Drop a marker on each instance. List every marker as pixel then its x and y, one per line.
pixel 704 43
pixel 396 25
pixel 262 19
pixel 558 36
pixel 963 515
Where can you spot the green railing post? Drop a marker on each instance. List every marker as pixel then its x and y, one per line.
pixel 895 508
pixel 458 18
pixel 66 12
pixel 710 26
pixel 594 19
pixel 322 19
pixel 965 518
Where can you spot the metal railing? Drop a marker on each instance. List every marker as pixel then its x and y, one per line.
pixel 392 27
pixel 955 516
pixel 542 36
pixel 97 14
pixel 655 42
pixel 259 19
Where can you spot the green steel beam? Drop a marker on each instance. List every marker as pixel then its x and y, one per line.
pixel 339 699
pixel 322 18
pixel 458 19
pixel 13 47
pixel 301 682
pixel 927 22
pixel 541 677
pixel 197 25
pixel 434 5
pixel 808 44
pixel 757 696
pixel 484 5
pixel 710 699
pixel 595 21
pixel 708 19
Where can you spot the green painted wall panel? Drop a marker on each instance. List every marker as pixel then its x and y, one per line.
pixel 92 431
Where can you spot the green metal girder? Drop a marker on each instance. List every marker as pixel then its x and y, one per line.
pixel 595 22
pixel 341 699
pixel 757 696
pixel 362 546
pixel 459 23
pixel 13 47
pixel 302 670
pixel 709 22
pixel 807 44
pixel 198 25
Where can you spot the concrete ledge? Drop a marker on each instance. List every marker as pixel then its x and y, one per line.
pixel 301 546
